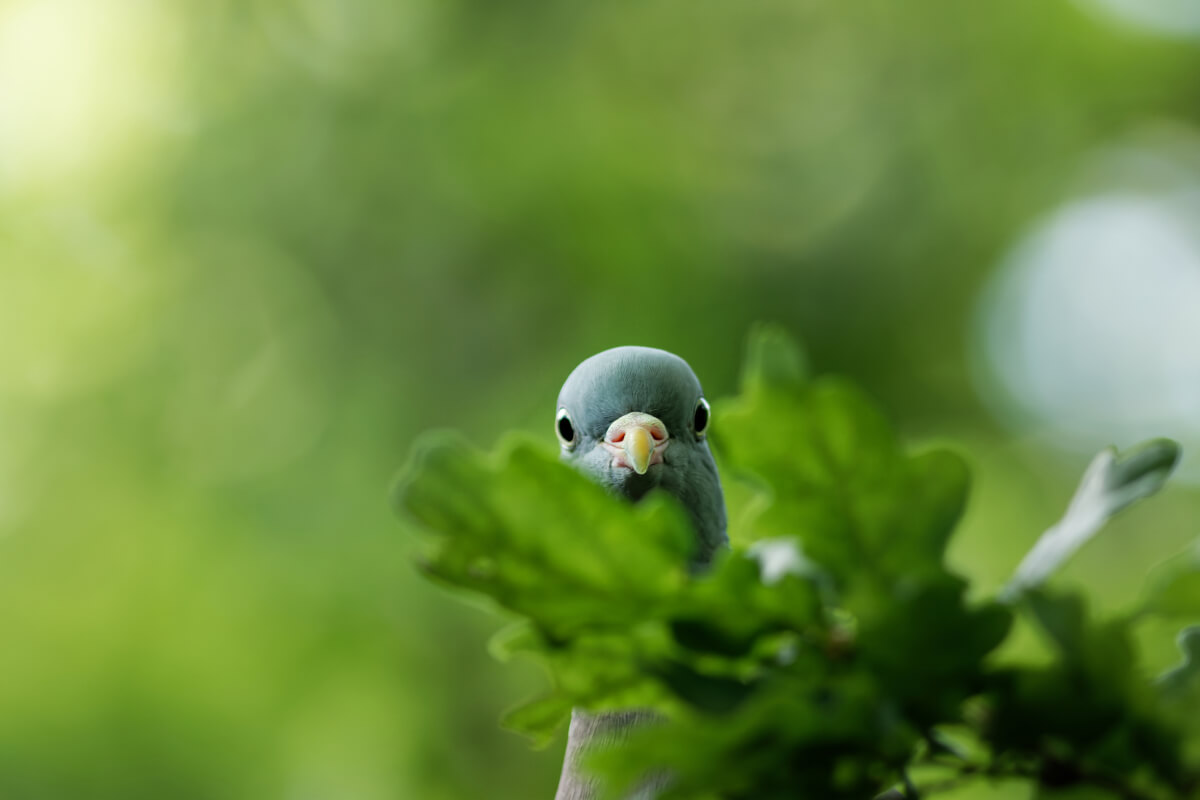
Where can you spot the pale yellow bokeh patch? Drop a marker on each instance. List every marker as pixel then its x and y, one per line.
pixel 81 83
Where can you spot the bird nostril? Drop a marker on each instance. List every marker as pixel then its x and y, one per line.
pixel 637 425
pixel 656 433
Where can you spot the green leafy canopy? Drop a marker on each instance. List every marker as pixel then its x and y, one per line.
pixel 830 653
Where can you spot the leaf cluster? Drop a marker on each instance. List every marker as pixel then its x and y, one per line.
pixel 830 653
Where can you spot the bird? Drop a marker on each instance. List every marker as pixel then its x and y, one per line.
pixel 635 419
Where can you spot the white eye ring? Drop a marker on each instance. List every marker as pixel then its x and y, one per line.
pixel 701 417
pixel 564 429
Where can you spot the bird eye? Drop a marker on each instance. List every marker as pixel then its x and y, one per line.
pixel 564 429
pixel 700 417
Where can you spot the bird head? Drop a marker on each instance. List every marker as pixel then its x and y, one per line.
pixel 635 419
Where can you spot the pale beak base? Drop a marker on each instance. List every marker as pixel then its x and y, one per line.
pixel 637 441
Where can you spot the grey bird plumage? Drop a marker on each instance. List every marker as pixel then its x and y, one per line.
pixel 634 419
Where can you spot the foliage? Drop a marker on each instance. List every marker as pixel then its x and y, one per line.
pixel 250 250
pixel 830 653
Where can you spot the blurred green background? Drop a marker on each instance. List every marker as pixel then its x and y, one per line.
pixel 249 249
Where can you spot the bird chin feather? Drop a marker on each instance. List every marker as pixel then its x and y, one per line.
pixel 628 483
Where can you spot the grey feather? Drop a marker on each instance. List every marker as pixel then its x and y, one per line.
pixel 625 379
pixel 599 730
pixel 600 390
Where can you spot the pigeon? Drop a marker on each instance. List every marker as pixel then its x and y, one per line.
pixel 634 419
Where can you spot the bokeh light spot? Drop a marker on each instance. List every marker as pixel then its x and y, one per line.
pixel 80 82
pixel 1089 332
pixel 1167 17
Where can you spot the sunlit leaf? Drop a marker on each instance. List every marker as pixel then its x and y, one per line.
pixel 538 538
pixel 1111 483
pixel 833 475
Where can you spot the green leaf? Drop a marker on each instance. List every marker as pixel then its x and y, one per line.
pixel 804 734
pixel 830 472
pixel 595 671
pixel 819 656
pixel 1178 695
pixel 817 461
pixel 1076 793
pixel 1184 679
pixel 516 639
pixel 729 609
pixel 1089 698
pixel 1173 588
pixel 711 693
pixel 538 719
pixel 1111 483
pixel 540 539
pixel 1101 651
pixel 927 635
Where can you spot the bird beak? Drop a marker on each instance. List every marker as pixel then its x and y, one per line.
pixel 636 441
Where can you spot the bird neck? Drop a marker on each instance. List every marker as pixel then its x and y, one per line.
pixel 593 731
